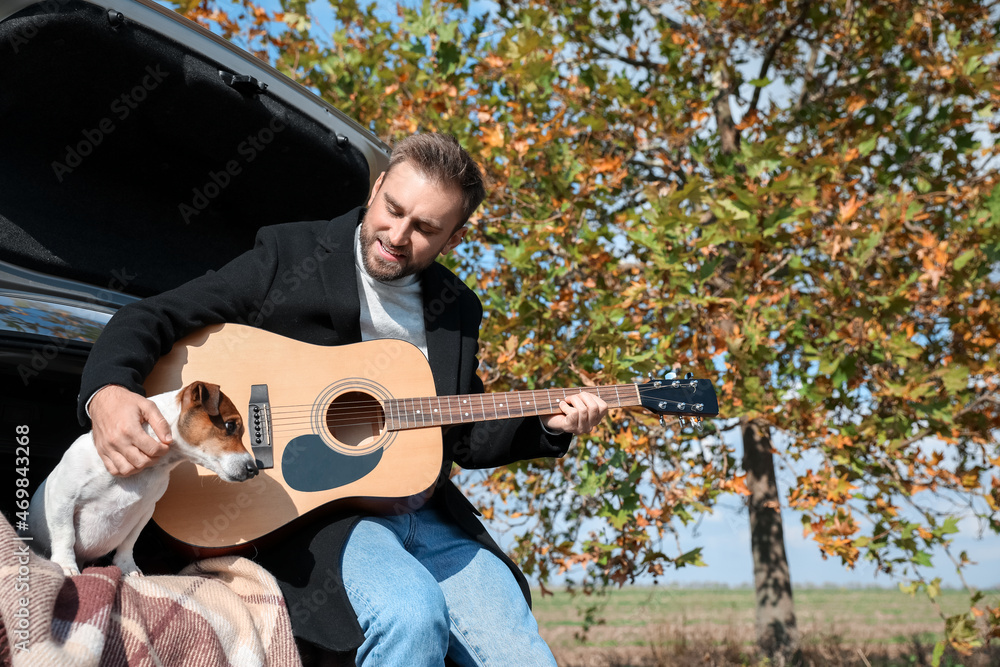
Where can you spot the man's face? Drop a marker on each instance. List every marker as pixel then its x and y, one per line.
pixel 410 221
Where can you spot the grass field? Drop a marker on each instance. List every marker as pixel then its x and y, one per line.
pixel 660 626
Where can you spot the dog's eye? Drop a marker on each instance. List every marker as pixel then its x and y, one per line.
pixel 230 427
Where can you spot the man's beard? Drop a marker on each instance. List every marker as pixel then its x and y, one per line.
pixel 377 268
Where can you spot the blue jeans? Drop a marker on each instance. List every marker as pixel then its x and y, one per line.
pixel 423 589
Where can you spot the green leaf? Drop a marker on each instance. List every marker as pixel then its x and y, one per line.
pixel 449 56
pixel 618 519
pixel 938 653
pixel 955 378
pixel 867 146
pixel 972 64
pixel 950 526
pixel 692 557
pixel 736 212
pixel 963 259
pixel 934 588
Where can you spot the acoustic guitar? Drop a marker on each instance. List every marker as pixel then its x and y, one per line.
pixel 353 424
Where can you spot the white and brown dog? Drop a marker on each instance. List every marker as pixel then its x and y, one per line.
pixel 82 512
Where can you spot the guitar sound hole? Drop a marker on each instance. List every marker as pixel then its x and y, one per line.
pixel 355 419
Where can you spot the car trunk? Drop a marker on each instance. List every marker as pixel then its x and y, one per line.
pixel 137 151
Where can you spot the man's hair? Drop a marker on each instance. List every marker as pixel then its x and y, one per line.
pixel 440 157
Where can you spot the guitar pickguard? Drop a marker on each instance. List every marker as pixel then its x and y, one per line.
pixel 308 464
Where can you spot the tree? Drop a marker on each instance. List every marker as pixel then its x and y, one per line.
pixel 799 200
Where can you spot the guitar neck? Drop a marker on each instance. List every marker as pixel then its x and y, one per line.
pixel 407 413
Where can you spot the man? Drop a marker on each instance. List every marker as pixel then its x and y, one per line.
pixel 402 590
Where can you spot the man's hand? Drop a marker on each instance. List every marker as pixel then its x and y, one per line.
pixel 121 441
pixel 580 414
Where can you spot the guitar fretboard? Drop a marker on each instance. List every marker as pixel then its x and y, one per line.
pixel 407 413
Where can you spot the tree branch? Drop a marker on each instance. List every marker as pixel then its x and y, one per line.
pixel 773 49
pixel 728 134
pixel 644 64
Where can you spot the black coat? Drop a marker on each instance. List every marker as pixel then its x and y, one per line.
pixel 299 280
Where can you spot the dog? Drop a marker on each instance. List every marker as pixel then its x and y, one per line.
pixel 82 512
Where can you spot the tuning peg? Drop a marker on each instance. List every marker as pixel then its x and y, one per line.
pixel 688 376
pixel 699 423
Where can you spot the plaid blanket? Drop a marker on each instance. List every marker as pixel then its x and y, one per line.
pixel 221 611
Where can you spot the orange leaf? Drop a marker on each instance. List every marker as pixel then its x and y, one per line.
pixel 493 137
pixel 848 209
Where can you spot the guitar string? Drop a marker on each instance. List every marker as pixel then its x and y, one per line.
pixel 344 416
pixel 350 404
pixel 446 403
pixel 422 406
pixel 396 425
pixel 452 397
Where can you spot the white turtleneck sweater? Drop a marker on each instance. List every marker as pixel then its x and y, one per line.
pixel 393 309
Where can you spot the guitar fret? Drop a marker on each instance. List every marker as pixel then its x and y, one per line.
pixel 406 413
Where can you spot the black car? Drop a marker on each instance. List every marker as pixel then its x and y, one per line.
pixel 137 150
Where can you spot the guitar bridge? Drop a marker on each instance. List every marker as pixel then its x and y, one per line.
pixel 259 425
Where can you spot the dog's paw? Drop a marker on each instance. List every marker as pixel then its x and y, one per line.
pixel 69 569
pixel 127 566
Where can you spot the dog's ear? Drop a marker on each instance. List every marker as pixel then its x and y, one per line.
pixel 204 394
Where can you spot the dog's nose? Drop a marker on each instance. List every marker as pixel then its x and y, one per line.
pixel 251 469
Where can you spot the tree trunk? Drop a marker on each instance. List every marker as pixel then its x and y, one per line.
pixel 777 633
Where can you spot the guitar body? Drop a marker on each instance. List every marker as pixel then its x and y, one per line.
pixel 352 426
pixel 330 443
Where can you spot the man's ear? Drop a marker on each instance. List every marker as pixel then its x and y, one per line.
pixel 375 189
pixel 455 239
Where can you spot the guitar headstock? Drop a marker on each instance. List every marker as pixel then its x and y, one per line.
pixel 688 397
